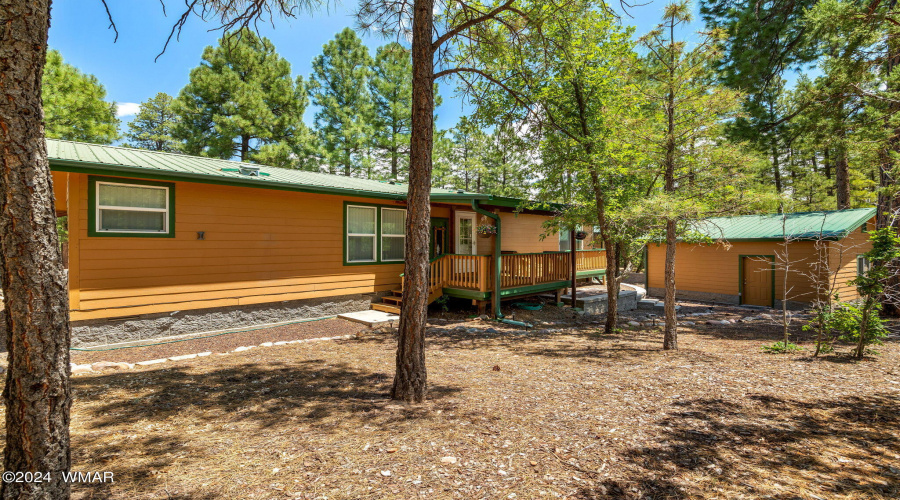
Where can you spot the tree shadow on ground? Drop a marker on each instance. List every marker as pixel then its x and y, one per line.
pixel 270 396
pixel 622 346
pixel 845 447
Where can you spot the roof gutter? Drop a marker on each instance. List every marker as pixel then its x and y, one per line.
pixel 495 295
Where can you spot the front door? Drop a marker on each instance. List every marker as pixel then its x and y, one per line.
pixel 465 234
pixel 465 243
pixel 758 282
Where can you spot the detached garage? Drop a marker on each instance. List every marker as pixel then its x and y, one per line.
pixel 746 262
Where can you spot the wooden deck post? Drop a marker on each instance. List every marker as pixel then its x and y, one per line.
pixel 483 274
pixel 574 267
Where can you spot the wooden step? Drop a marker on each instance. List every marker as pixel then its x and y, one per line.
pixel 386 308
pixel 398 293
pixel 395 300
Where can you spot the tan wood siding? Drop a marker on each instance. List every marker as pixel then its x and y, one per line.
pixel 715 268
pixel 259 246
pixel 842 257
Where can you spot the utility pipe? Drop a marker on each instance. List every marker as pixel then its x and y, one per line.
pixel 495 294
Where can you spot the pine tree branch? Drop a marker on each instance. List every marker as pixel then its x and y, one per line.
pixel 472 22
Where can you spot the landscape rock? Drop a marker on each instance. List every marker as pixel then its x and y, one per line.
pixel 103 365
pixel 243 348
pixel 76 369
pixel 183 357
pixel 688 323
pixel 267 344
pixel 448 460
pixel 633 323
pixel 152 362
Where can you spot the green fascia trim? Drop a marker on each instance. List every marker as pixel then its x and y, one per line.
pixel 461 293
pixel 459 197
pixel 92 208
pixel 378 236
pixel 741 276
pixel 81 167
pixel 506 292
pixel 526 290
pixel 592 272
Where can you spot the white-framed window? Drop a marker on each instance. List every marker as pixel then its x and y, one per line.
pixel 393 234
pixel 124 208
pixel 362 236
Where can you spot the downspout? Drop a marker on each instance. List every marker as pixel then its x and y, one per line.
pixel 495 294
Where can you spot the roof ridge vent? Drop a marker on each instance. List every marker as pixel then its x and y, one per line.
pixel 251 170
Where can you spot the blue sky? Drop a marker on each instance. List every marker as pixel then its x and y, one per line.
pixel 79 29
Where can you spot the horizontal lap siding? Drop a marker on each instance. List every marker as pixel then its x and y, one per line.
pixel 715 268
pixel 842 255
pixel 522 233
pixel 259 246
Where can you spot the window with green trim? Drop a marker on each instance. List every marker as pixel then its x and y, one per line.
pixel 393 234
pixel 862 265
pixel 362 234
pixel 122 208
pixel 374 234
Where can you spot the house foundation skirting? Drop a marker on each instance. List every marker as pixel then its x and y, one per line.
pixel 721 298
pixel 149 326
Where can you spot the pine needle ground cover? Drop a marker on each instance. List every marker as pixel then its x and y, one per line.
pixel 568 414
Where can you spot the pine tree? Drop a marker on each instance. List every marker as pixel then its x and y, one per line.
pixel 74 105
pixel 467 155
pixel 240 99
pixel 391 90
pixel 701 172
pixel 339 85
pixel 37 393
pixel 153 125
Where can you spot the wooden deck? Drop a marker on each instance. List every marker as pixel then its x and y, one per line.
pixel 472 276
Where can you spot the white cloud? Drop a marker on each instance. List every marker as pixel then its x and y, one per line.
pixel 127 109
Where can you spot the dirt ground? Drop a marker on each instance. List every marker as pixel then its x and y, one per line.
pixel 221 343
pixel 559 412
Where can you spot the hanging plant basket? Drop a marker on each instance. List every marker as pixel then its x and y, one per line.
pixel 486 230
pixel 580 235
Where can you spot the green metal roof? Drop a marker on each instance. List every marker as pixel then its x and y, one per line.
pixel 832 225
pixel 82 157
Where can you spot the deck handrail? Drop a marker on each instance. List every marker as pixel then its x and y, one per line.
pixel 474 272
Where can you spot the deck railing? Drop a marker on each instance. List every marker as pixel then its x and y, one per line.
pixel 589 260
pixel 475 272
pixel 525 269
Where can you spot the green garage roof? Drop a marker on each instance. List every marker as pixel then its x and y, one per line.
pixel 82 157
pixel 831 225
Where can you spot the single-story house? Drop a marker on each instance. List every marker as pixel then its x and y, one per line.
pixel 163 244
pixel 746 262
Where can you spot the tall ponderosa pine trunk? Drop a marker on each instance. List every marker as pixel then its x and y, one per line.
pixel 842 170
pixel 887 201
pixel 670 335
pixel 612 261
pixel 410 379
pixel 37 392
